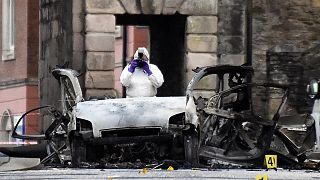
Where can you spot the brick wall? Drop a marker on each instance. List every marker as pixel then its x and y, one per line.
pixel 16 69
pixel 33 38
pixel 18 77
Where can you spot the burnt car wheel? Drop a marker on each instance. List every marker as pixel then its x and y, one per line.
pixel 81 149
pixel 78 150
pixel 191 149
pixel 191 146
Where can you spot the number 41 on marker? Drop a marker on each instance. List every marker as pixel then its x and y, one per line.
pixel 270 161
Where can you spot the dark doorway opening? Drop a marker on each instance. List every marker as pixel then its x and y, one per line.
pixel 167 48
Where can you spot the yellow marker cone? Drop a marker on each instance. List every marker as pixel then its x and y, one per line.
pixel 170 168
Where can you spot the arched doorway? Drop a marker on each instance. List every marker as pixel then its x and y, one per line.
pixel 6 126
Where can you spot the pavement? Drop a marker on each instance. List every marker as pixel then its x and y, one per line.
pixel 72 173
pixel 12 163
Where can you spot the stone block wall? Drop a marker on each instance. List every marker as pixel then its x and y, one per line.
pixel 232 32
pixel 201 35
pixel 99 47
pixel 289 65
pixel 80 34
pixel 56 46
pixel 78 50
pixel 201 42
pixel 292 22
pixel 284 67
pixel 286 28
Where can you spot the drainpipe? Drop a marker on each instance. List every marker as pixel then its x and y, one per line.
pixel 124 53
pixel 249 32
pixel 249 41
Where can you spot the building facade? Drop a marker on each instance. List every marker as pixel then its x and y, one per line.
pixel 182 35
pixel 19 49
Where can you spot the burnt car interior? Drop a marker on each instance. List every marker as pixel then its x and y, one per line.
pixel 229 128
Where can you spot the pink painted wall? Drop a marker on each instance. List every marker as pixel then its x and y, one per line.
pixel 19 100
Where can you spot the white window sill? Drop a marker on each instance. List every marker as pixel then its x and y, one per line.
pixel 8 56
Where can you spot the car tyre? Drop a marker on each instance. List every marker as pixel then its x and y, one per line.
pixel 191 146
pixel 78 151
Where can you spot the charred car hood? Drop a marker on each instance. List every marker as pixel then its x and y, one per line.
pixel 142 112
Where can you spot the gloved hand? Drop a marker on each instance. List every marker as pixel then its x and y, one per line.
pixel 133 65
pixel 146 68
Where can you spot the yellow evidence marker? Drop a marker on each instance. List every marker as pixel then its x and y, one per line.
pixel 271 161
pixel 170 168
pixel 144 171
pixel 262 177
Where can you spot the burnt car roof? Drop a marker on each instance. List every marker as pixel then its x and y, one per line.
pixel 223 69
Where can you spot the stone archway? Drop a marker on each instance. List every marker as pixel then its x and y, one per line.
pixel 6 126
pixel 199 43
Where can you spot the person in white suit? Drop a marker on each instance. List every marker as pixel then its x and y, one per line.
pixel 141 78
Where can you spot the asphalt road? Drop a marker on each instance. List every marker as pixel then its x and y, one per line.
pixel 67 173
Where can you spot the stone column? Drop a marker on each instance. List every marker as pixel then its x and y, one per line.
pixel 78 62
pixel 201 37
pixel 232 32
pixel 100 39
pixel 100 47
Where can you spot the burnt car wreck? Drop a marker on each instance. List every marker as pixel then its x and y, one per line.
pixel 114 130
pixel 222 126
pixel 227 127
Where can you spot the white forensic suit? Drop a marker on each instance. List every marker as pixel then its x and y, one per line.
pixel 141 82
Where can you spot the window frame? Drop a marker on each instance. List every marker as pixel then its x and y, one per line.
pixel 8 30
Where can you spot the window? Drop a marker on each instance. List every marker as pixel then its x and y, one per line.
pixel 8 30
